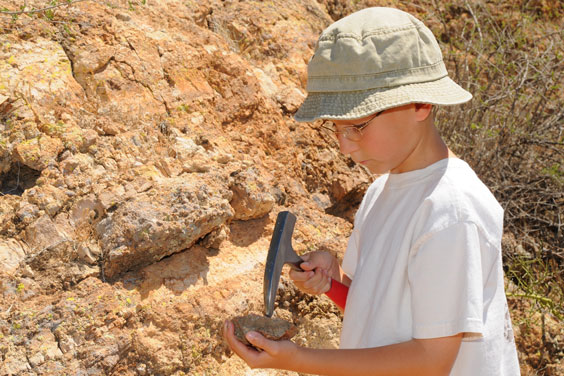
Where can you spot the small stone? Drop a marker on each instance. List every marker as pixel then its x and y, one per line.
pixel 197 164
pixel 141 369
pixel 224 158
pixel 43 233
pixel 123 17
pixel 86 254
pixel 290 99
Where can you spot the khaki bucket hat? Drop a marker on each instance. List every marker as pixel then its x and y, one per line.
pixel 372 60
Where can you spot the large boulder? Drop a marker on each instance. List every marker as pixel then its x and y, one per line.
pixel 162 221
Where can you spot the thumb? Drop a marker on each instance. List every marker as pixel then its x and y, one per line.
pixel 306 265
pixel 258 340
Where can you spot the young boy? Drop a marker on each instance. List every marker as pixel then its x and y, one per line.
pixel 421 282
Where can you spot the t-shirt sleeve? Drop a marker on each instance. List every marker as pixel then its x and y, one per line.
pixel 445 277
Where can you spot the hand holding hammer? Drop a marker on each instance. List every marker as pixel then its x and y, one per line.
pixel 316 273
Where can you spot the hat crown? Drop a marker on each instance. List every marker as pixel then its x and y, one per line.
pixel 374 48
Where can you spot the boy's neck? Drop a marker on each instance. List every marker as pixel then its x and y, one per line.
pixel 430 149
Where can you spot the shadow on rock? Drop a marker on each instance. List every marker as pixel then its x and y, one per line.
pixel 245 233
pixel 176 273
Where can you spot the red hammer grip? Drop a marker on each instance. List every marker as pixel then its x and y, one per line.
pixel 338 293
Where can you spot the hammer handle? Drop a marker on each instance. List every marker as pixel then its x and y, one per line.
pixel 338 293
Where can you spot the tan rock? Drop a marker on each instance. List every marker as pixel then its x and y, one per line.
pixel 11 255
pixel 186 148
pixel 197 164
pixel 290 98
pixel 163 351
pixel 5 155
pixel 70 134
pixel 38 78
pixel 42 234
pixel 112 196
pixel 43 346
pixel 46 197
pixel 89 253
pixel 76 163
pixel 37 153
pixel 15 363
pixel 8 205
pixel 86 211
pixel 26 212
pixel 251 196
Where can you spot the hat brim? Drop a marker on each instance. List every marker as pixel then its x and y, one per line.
pixel 350 105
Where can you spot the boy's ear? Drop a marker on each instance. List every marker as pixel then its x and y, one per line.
pixel 422 111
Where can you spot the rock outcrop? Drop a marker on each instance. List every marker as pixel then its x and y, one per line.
pixel 161 221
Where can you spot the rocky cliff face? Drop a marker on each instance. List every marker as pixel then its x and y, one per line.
pixel 146 148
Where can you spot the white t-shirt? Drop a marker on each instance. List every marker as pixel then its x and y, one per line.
pixel 425 262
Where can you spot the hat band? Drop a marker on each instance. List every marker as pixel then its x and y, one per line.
pixel 378 80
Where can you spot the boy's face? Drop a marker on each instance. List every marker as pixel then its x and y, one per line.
pixel 391 142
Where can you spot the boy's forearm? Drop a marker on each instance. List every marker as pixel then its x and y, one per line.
pixel 414 357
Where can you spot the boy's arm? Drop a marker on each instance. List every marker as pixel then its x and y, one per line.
pixel 416 357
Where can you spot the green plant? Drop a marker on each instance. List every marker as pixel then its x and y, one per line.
pixel 47 11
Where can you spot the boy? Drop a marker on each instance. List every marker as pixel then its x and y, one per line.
pixel 421 282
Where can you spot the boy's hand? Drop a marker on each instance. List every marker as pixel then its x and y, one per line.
pixel 274 354
pixel 319 267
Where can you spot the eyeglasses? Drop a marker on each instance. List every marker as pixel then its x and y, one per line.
pixel 353 132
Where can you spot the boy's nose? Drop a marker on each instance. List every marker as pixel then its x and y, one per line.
pixel 345 145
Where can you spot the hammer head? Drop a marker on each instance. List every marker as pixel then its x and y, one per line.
pixel 279 253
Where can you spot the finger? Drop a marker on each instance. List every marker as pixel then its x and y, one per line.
pixel 259 341
pixel 315 279
pixel 320 288
pixel 324 286
pixel 307 265
pixel 229 335
pixel 245 352
pixel 297 276
pixel 320 283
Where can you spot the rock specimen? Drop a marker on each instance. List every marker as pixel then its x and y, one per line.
pixel 272 328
